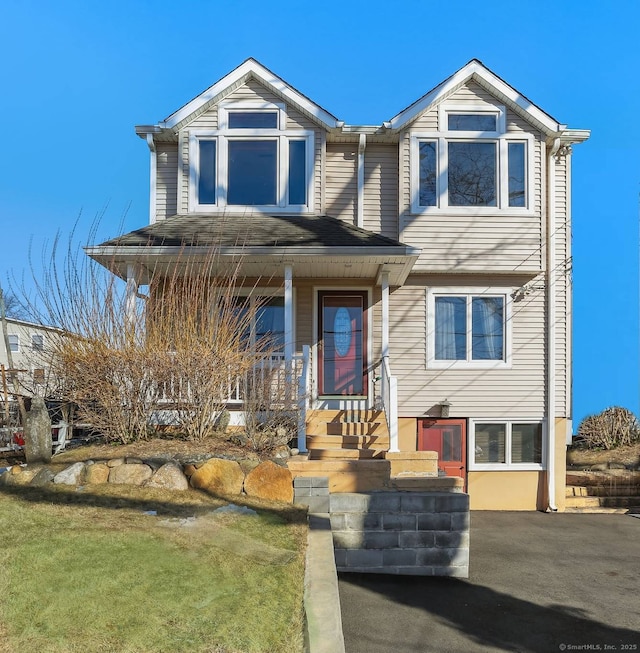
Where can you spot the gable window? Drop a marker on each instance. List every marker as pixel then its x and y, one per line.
pixel 472 164
pixel 505 444
pixel 468 329
pixel 251 160
pixel 14 343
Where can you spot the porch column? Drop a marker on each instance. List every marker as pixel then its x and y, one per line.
pixel 131 294
pixel 385 314
pixel 288 324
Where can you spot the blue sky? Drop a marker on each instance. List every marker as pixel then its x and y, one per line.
pixel 77 76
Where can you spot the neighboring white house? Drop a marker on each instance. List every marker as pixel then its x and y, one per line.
pixel 30 364
pixel 425 259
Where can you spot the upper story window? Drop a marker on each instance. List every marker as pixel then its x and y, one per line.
pixel 472 165
pixel 14 343
pixel 251 160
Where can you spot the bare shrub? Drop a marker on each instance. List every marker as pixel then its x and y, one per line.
pixel 269 406
pixel 613 427
pixel 177 356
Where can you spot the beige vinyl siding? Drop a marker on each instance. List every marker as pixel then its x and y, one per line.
pixel 475 243
pixel 515 392
pixel 166 180
pixel 562 276
pixel 341 181
pixel 380 201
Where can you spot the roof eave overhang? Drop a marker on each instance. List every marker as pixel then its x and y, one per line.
pixel 397 261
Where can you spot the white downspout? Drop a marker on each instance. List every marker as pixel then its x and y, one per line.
pixel 551 324
pixel 362 144
pixel 152 178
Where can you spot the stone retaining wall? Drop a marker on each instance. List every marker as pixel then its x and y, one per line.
pixel 217 476
pixel 413 533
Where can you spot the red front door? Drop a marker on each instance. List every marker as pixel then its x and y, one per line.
pixel 342 343
pixel 448 437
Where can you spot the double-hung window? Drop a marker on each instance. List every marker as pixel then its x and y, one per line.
pixel 496 444
pixel 251 160
pixel 468 328
pixel 472 164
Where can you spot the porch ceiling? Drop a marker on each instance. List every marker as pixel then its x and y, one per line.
pixel 261 245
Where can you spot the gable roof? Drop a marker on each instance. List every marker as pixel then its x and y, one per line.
pixel 250 69
pixel 475 70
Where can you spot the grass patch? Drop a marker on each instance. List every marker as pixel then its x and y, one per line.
pixel 90 572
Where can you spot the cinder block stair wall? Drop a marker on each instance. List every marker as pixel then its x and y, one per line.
pixel 602 492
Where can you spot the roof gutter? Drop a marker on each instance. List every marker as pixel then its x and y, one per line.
pixel 552 150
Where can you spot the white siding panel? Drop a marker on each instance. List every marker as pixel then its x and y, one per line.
pixel 166 180
pixel 381 189
pixel 515 392
pixel 341 191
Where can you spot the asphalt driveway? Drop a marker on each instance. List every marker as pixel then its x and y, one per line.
pixel 538 583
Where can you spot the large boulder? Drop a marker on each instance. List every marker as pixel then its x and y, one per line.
pixel 169 477
pixel 37 433
pixel 135 474
pixel 270 482
pixel 73 475
pixel 218 476
pixel 97 473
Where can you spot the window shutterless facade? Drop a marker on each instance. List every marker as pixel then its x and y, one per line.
pixel 498 444
pixel 467 328
pixel 472 165
pixel 14 343
pixel 252 160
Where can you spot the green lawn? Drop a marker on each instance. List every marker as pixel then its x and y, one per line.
pixel 89 571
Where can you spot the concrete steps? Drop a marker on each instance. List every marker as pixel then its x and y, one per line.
pixel 603 492
pixel 347 435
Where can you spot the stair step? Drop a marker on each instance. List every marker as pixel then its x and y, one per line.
pixel 602 502
pixel 356 415
pixel 347 441
pixel 603 491
pixel 339 454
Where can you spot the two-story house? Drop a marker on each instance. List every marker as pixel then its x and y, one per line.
pixel 423 263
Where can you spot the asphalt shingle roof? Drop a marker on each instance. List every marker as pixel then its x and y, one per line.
pixel 251 231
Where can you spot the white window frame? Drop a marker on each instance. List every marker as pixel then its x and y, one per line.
pixel 442 138
pixel 37 335
pixel 468 292
pixel 17 342
pixel 223 135
pixel 507 465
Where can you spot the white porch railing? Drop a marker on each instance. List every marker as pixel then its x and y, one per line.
pixel 272 382
pixel 304 396
pixel 390 402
